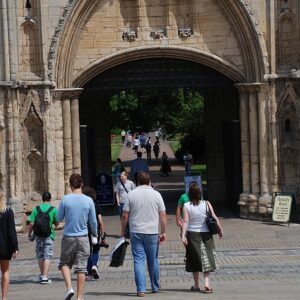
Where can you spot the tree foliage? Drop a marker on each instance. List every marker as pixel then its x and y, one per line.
pixel 178 111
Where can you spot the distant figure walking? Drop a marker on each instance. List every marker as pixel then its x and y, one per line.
pixel 138 165
pixel 199 242
pixel 8 243
pixel 165 165
pixel 156 149
pixel 42 219
pixel 148 148
pixel 118 169
pixel 146 213
pixel 123 136
pixel 77 210
pixel 136 144
pixel 188 162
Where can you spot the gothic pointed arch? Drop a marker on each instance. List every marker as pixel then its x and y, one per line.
pixel 76 15
pixel 32 102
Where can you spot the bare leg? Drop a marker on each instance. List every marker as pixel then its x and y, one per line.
pixel 206 279
pixel 196 279
pixel 80 285
pixel 5 278
pixel 44 265
pixel 66 272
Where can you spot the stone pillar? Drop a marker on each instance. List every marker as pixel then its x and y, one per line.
pixel 71 133
pixel 67 141
pixel 254 155
pixel 75 135
pixel 265 200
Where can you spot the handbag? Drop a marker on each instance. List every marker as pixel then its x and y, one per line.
pixel 211 222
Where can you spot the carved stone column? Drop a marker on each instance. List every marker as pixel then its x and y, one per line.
pixel 75 135
pixel 71 133
pixel 254 154
pixel 67 141
pixel 265 199
pixel 172 28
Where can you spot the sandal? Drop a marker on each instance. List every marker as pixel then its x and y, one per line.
pixel 207 290
pixel 195 289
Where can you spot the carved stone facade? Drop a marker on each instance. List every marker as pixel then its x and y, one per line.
pixel 49 52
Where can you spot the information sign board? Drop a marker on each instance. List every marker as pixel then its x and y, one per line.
pixel 282 208
pixel 104 189
pixel 189 179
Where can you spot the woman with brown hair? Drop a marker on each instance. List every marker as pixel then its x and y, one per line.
pixel 8 242
pixel 200 248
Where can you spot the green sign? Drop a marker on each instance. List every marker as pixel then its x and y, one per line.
pixel 282 208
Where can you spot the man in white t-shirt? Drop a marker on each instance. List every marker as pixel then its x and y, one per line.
pixel 145 210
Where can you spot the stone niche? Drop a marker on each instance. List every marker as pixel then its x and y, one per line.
pixel 33 155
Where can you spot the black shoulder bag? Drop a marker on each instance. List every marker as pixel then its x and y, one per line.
pixel 211 222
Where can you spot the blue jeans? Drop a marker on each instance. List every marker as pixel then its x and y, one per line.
pixel 145 246
pixel 92 261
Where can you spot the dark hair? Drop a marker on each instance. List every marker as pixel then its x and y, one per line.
pixel 119 160
pixel 89 191
pixel 76 181
pixel 139 154
pixel 124 171
pixel 46 196
pixel 195 194
pixel 143 178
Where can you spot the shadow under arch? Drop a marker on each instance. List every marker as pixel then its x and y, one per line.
pixel 139 53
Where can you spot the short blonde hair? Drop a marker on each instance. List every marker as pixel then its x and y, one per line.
pixel 2 202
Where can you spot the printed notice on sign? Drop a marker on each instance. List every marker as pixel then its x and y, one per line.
pixel 282 208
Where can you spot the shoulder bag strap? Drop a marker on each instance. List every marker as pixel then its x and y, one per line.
pixel 124 186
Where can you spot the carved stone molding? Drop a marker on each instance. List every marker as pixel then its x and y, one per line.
pixel 129 35
pixel 31 105
pixel 56 36
pixel 61 94
pixel 185 32
pixel 157 34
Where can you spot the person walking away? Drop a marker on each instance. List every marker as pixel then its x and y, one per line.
pixel 156 149
pixel 77 210
pixel 146 213
pixel 129 140
pixel 136 143
pixel 118 168
pixel 200 248
pixel 188 162
pixel 92 264
pixel 40 229
pixel 138 165
pixel 123 136
pixel 8 243
pixel 165 165
pixel 143 140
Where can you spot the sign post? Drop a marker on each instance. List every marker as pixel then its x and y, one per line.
pixel 282 208
pixel 104 189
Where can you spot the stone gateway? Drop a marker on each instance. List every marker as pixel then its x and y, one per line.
pixel 59 61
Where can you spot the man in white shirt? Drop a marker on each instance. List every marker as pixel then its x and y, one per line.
pixel 145 210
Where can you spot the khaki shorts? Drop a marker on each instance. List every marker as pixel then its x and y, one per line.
pixel 75 252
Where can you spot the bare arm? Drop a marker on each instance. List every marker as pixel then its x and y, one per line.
pixel 184 225
pixel 124 222
pixel 178 215
pixel 30 229
pixel 118 198
pixel 163 226
pixel 217 219
pixel 100 221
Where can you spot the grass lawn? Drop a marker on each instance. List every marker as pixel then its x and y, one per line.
pixel 200 169
pixel 116 145
pixel 175 145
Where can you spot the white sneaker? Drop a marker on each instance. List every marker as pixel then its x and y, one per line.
pixel 70 293
pixel 46 280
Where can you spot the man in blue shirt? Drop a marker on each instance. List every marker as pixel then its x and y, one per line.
pixel 77 210
pixel 138 165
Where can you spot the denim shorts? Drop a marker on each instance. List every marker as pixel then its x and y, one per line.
pixel 44 248
pixel 75 251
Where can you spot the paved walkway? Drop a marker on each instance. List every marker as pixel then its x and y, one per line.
pixel 256 260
